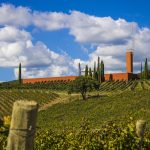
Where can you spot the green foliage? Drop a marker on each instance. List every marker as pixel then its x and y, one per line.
pixel 53 85
pixel 102 71
pixel 3 136
pixel 94 72
pixel 98 70
pixel 3 141
pixel 146 69
pixel 19 74
pixel 141 73
pixel 108 128
pixel 83 84
pixel 110 136
pixel 86 70
pixel 144 74
pixel 90 73
pixel 8 97
pixel 103 108
pixel 79 69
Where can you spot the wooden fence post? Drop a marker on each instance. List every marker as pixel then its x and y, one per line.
pixel 140 126
pixel 23 124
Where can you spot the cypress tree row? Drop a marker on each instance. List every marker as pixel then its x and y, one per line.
pixel 146 69
pixel 86 70
pixel 98 71
pixel 19 74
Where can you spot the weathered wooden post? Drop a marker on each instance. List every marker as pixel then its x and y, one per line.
pixel 23 124
pixel 140 126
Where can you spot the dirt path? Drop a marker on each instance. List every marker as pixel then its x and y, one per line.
pixel 65 98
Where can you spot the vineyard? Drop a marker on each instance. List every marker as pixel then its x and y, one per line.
pixel 125 85
pixel 41 91
pixel 53 85
pixel 59 126
pixel 8 96
pixel 64 85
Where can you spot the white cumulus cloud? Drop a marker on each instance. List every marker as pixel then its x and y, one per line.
pixel 110 37
pixel 15 16
pixel 37 59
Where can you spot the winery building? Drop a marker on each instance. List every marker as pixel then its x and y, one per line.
pixel 128 75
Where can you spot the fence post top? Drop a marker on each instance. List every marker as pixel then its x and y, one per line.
pixel 26 104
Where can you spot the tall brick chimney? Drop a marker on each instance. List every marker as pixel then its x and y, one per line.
pixel 129 61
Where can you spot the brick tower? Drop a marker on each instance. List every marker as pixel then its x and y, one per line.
pixel 129 61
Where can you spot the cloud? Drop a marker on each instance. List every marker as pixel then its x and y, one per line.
pixel 23 17
pixel 37 59
pixel 85 28
pixel 110 38
pixel 91 29
pixel 114 55
pixel 50 20
pixel 52 70
pixel 15 16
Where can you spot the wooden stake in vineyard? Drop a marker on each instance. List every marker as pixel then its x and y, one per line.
pixel 140 126
pixel 23 124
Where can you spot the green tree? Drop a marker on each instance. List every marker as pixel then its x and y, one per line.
pixel 86 70
pixel 102 71
pixel 146 69
pixel 141 75
pixel 96 76
pixel 94 72
pixel 83 84
pixel 98 69
pixel 79 69
pixel 19 74
pixel 90 72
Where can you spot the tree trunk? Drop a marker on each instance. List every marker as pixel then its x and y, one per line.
pixel 84 96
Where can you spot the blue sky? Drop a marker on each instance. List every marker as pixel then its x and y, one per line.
pixel 128 9
pixel 50 37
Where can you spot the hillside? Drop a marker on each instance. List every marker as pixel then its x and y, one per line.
pixel 106 120
pixel 112 107
pixel 114 101
pixel 9 96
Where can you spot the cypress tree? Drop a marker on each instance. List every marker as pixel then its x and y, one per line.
pixel 102 71
pixel 79 69
pixel 96 76
pixel 94 72
pixel 98 69
pixel 141 75
pixel 86 70
pixel 146 69
pixel 90 72
pixel 19 74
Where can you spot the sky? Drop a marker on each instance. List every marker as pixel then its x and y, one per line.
pixel 51 37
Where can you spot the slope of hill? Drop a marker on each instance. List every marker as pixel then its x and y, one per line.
pixel 7 97
pixel 117 99
pixel 116 107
